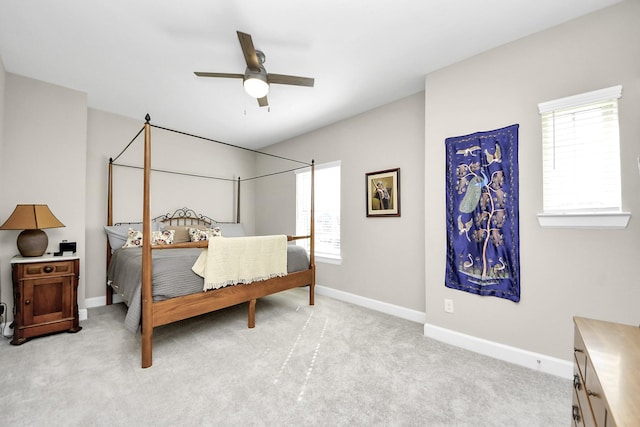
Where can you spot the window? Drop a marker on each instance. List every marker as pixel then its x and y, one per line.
pixel 581 155
pixel 327 209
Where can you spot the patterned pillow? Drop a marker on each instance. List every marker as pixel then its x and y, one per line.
pixel 197 235
pixel 134 238
pixel 164 237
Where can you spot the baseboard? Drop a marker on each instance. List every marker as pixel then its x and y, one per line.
pixel 383 307
pixel 100 301
pixel 83 313
pixel 539 362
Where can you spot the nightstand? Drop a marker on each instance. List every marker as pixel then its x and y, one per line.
pixel 45 296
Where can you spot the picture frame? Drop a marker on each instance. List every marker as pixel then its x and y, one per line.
pixel 383 193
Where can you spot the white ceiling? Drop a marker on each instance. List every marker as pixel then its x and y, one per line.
pixel 134 57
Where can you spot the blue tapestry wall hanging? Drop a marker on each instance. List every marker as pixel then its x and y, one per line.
pixel 483 254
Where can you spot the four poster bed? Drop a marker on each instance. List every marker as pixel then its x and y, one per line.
pixel 173 294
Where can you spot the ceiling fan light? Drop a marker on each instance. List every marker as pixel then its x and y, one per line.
pixel 256 87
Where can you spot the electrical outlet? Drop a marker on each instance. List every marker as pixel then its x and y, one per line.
pixel 448 305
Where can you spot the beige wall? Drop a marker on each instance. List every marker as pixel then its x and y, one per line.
pixel 382 258
pixel 43 161
pixel 564 272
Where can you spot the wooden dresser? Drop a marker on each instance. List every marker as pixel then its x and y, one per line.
pixel 606 378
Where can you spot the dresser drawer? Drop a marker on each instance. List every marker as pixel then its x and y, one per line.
pixel 579 352
pixel 596 396
pixel 576 412
pixel 581 401
pixel 43 269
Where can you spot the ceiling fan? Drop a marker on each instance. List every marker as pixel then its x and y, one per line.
pixel 256 80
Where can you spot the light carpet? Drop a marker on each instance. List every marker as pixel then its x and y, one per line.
pixel 332 364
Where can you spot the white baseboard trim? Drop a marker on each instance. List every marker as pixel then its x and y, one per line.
pixel 83 313
pixel 539 362
pixel 383 307
pixel 100 301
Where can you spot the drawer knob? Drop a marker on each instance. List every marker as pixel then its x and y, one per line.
pixel 48 269
pixel 575 412
pixel 27 302
pixel 576 382
pixel 592 393
pixel 577 350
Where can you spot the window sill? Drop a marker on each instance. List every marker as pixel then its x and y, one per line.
pixel 592 220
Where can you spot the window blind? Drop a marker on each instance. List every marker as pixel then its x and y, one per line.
pixel 581 153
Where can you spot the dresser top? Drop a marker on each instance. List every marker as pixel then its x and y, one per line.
pixel 19 259
pixel 614 351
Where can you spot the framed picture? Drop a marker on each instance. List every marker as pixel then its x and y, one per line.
pixel 383 193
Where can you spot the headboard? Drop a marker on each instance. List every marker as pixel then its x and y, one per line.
pixel 184 216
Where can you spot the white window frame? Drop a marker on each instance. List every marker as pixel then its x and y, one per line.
pixel 611 217
pixel 302 224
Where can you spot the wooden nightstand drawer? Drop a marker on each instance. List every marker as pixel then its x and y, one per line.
pixel 39 269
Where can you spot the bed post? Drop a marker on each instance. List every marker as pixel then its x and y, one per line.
pixel 238 204
pixel 312 248
pixel 147 296
pixel 109 293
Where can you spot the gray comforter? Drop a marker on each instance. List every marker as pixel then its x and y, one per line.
pixel 171 275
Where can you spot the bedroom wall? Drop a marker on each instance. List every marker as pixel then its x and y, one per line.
pixel 108 135
pixel 43 161
pixel 564 272
pixel 382 258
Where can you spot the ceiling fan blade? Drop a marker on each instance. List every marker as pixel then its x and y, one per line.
pixel 263 101
pixel 250 57
pixel 290 80
pixel 227 75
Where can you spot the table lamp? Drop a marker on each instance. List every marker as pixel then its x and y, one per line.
pixel 32 241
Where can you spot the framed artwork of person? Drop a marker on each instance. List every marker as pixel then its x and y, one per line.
pixel 383 193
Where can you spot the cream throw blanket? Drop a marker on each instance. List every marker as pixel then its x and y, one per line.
pixel 234 260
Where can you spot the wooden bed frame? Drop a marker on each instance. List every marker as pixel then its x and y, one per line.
pixel 157 313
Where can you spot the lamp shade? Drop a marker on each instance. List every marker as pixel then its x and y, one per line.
pixel 31 218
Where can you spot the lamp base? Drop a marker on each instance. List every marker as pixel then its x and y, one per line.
pixel 32 243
